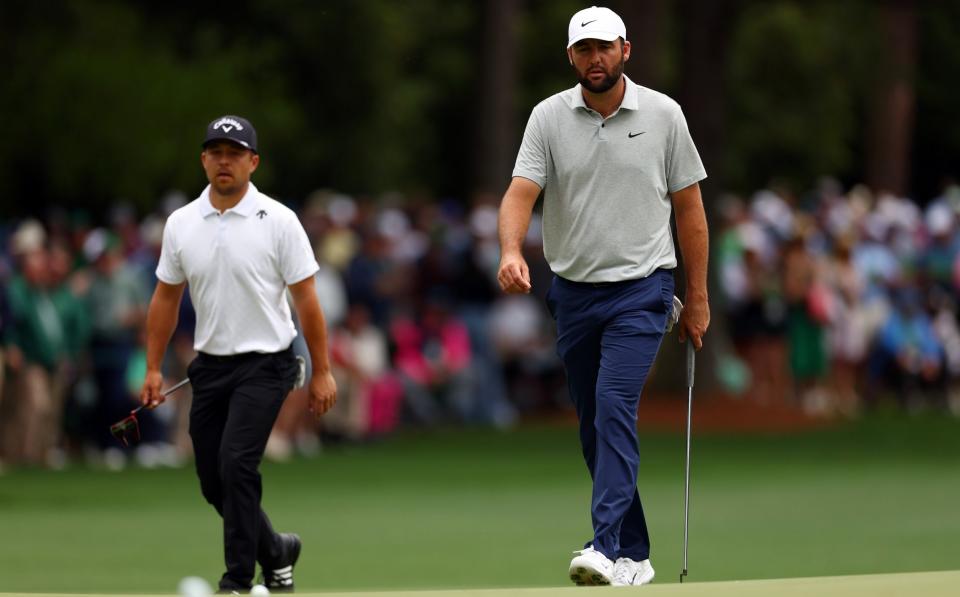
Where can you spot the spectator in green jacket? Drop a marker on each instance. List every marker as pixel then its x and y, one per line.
pixel 37 342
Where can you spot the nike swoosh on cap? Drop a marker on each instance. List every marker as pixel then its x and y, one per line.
pixel 587 23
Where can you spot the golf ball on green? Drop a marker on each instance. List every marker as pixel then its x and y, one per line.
pixel 194 586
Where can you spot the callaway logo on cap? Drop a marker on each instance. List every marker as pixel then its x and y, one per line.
pixel 232 128
pixel 227 124
pixel 595 23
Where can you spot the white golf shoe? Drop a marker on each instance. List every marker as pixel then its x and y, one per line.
pixel 627 572
pixel 590 567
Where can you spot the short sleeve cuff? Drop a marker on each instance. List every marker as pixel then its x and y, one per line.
pixel 303 274
pixel 167 278
pixel 686 182
pixel 540 181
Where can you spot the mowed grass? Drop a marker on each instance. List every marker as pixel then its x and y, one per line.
pixel 481 509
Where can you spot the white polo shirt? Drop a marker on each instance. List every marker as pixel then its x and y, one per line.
pixel 238 265
pixel 607 182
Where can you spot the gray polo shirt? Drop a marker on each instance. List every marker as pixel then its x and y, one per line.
pixel 606 209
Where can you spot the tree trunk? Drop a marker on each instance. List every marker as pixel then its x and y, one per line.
pixel 705 27
pixel 646 31
pixel 498 138
pixel 890 129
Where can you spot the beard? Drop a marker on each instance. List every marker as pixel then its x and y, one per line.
pixel 227 189
pixel 609 80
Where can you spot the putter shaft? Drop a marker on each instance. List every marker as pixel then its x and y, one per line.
pixel 166 392
pixel 691 361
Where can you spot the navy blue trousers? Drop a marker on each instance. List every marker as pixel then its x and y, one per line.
pixel 608 336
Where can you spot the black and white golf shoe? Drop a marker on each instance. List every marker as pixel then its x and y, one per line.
pixel 280 578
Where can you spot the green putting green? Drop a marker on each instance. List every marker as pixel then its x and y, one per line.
pixel 915 584
pixel 477 509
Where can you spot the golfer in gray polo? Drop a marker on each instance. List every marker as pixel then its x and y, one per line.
pixel 613 160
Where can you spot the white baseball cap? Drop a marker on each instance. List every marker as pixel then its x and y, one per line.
pixel 595 23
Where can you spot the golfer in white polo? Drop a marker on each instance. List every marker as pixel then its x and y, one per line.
pixel 239 251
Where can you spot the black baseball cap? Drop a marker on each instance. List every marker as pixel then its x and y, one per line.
pixel 232 128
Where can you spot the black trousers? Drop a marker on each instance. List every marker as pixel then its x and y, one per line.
pixel 236 400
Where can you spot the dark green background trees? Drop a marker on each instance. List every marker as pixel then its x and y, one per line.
pixel 106 101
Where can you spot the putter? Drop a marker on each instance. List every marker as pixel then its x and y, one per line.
pixel 691 361
pixel 129 425
pixel 301 372
pixel 674 316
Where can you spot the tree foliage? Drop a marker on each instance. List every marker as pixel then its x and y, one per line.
pixel 794 87
pixel 107 101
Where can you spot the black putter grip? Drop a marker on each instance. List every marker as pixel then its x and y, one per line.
pixel 691 362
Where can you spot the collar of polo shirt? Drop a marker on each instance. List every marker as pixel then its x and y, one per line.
pixel 244 208
pixel 629 102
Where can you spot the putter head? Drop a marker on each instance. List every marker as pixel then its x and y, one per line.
pixel 301 372
pixel 674 315
pixel 125 429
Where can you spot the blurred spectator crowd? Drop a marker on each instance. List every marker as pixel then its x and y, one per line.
pixel 831 301
pixel 839 301
pixel 418 330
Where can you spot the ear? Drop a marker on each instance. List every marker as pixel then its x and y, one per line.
pixel 570 55
pixel 626 50
pixel 255 161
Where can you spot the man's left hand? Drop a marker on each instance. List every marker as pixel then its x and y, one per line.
pixel 694 321
pixel 323 393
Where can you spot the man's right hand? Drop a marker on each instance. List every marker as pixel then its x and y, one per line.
pixel 514 275
pixel 150 395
